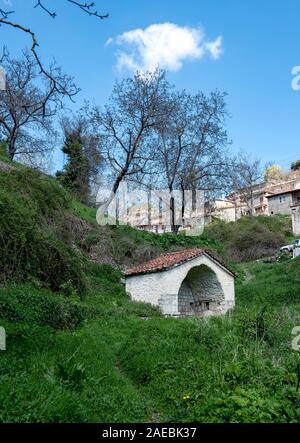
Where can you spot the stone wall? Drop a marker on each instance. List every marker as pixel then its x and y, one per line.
pixel 200 292
pixel 296 219
pixel 186 302
pixel 168 304
pixel 280 204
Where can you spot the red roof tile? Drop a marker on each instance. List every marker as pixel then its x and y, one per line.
pixel 167 261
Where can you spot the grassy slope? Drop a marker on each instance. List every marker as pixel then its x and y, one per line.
pixel 125 246
pixel 118 367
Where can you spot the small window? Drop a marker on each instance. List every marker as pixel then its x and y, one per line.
pixel 282 199
pixel 207 305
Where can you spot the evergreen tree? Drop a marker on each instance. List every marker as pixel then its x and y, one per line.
pixel 76 173
pixel 295 166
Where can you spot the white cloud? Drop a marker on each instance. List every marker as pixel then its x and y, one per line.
pixel 215 48
pixel 166 45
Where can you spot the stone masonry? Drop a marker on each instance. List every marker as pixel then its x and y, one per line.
pixel 199 285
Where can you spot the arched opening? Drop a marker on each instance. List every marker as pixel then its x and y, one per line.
pixel 200 293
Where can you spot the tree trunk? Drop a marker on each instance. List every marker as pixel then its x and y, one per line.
pixel 11 149
pixel 172 214
pixel 252 204
pixel 182 204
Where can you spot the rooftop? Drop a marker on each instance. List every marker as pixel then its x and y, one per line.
pixel 170 260
pixel 283 191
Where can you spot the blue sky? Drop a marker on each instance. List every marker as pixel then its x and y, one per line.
pixel 260 46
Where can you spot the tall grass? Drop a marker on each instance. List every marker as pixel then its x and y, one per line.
pixel 120 367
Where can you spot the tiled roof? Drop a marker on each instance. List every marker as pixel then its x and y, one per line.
pixel 167 261
pixel 283 191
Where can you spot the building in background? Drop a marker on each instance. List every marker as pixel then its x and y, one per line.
pixel 268 198
pixel 282 197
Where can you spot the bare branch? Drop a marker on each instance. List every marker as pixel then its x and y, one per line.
pixel 56 85
pixel 26 105
pixel 87 7
pixel 41 5
pixel 5 14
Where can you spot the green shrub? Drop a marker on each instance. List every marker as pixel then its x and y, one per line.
pixel 30 207
pixel 3 152
pixel 251 238
pixel 103 272
pixel 27 304
pixel 55 263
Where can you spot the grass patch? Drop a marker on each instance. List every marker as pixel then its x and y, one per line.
pixel 33 208
pixel 271 283
pixel 119 367
pixel 27 304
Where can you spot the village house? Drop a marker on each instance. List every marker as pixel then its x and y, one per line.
pixel 236 205
pixel 191 282
pixel 282 197
pixel 268 198
pixel 158 219
pixel 224 209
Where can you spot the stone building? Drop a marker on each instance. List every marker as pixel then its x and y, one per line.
pixel 269 198
pixel 191 282
pixel 224 209
pixel 281 201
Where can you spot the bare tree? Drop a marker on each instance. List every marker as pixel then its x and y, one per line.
pixel 127 124
pixel 28 106
pixel 206 166
pixel 193 145
pixel 247 174
pixel 6 19
pixel 174 139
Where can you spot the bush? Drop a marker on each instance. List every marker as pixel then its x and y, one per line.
pixel 31 205
pixel 104 272
pixel 27 304
pixel 251 238
pixel 55 263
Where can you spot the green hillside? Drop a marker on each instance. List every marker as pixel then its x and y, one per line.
pixel 79 350
pixel 252 238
